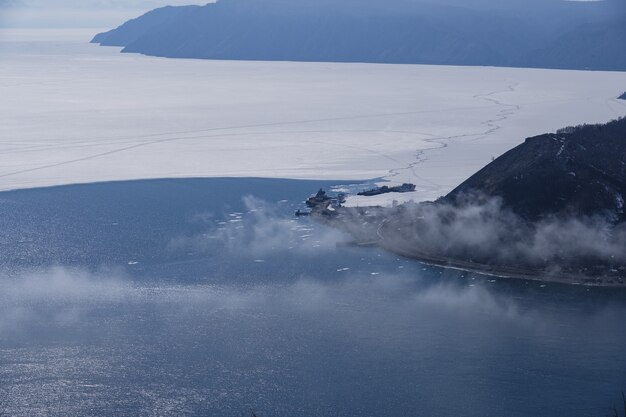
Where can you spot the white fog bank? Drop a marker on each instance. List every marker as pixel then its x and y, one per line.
pixel 73 113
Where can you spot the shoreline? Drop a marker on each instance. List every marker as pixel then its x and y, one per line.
pixel 506 273
pixel 498 271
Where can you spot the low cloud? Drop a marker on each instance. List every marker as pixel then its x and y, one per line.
pixel 61 301
pixel 482 230
pixel 258 232
pixel 478 229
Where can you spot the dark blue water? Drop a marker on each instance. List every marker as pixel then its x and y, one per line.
pixel 206 298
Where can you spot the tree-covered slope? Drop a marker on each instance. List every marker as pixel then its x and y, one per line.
pixel 578 172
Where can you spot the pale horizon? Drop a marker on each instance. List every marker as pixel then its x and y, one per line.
pixel 59 14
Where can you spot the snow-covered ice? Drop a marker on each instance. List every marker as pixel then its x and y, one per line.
pixel 74 113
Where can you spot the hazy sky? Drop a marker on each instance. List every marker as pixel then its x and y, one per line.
pixel 119 4
pixel 77 13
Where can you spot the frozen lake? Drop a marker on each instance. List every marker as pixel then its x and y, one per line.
pixel 204 296
pixel 73 112
pixel 178 297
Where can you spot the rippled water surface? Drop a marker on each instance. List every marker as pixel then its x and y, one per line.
pixel 207 298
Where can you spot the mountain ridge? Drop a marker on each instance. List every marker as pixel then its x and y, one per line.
pixel 578 171
pixel 535 34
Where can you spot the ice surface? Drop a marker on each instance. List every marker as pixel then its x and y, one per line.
pixel 74 113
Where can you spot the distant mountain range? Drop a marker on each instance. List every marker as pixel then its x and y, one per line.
pixel 516 33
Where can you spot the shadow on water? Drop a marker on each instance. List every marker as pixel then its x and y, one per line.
pixel 206 297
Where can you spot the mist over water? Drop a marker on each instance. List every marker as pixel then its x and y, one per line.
pixel 214 303
pixel 482 228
